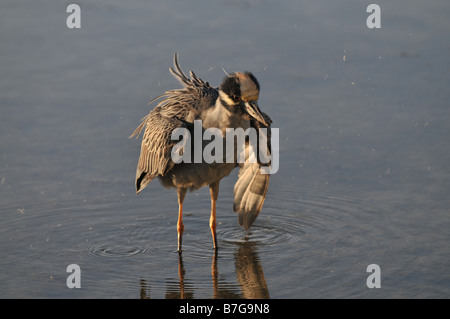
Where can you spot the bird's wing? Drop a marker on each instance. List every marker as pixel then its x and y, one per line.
pixel 251 187
pixel 156 147
pixel 195 95
pixel 175 109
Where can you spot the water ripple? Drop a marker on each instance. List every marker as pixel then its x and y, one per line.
pixel 115 251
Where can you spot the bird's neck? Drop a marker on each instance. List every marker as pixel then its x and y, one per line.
pixel 223 116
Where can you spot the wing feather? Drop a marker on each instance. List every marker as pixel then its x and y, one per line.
pixel 251 187
pixel 174 110
pixel 155 158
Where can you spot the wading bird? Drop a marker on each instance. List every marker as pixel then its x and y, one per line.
pixel 232 105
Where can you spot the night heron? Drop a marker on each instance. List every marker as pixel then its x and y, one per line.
pixel 233 105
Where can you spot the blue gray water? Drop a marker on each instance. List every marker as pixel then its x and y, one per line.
pixel 364 174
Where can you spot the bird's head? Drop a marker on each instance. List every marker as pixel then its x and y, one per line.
pixel 241 90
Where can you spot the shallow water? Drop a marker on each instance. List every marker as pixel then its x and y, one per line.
pixel 363 179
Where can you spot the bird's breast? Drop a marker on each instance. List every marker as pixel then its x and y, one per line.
pixel 222 118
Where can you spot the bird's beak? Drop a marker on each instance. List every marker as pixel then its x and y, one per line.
pixel 252 108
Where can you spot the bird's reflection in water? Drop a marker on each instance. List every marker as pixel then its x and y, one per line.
pixel 251 283
pixel 181 289
pixel 249 273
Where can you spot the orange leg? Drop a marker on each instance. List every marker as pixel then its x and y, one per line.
pixel 214 191
pixel 180 227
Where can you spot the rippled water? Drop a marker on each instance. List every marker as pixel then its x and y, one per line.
pixel 364 178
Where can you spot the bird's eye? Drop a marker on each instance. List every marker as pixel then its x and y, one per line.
pixel 236 98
